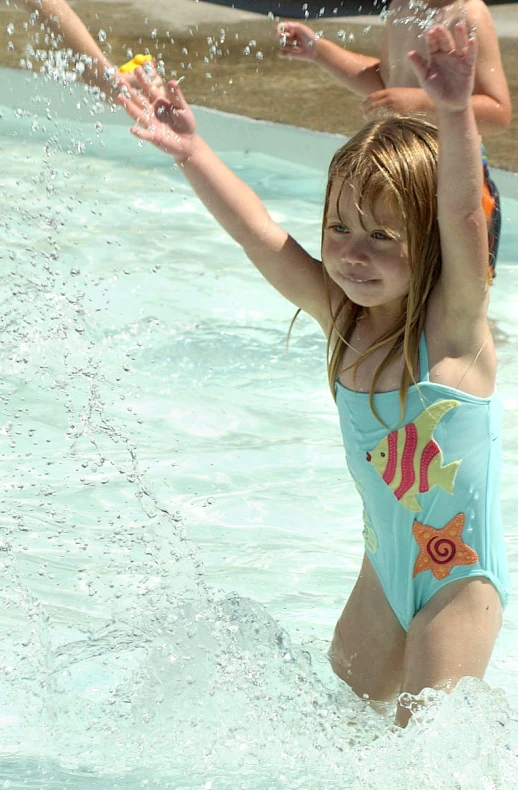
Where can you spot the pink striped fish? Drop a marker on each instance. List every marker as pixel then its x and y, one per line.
pixel 410 460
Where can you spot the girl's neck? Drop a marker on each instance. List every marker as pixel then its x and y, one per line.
pixel 381 319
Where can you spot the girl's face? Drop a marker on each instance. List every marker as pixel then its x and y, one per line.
pixel 366 257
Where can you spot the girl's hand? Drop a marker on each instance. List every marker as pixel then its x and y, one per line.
pixel 297 41
pixel 449 75
pixel 167 122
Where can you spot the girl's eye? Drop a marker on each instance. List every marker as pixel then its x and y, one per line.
pixel 379 235
pixel 337 228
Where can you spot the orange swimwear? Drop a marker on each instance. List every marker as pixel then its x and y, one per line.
pixel 491 206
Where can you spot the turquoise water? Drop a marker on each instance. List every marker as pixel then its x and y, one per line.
pixel 179 529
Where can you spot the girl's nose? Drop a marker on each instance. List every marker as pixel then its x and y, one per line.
pixel 355 254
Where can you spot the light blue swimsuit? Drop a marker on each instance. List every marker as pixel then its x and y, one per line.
pixel 430 487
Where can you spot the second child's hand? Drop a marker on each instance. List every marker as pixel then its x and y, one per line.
pixel 395 100
pixel 448 74
pixel 297 41
pixel 168 123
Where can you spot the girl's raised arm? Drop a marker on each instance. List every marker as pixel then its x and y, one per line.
pixel 448 78
pixel 170 125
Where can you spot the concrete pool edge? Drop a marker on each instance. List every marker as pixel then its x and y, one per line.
pixel 223 131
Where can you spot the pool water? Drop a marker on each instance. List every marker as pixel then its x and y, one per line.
pixel 180 532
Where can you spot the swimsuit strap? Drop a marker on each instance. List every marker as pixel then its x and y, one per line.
pixel 424 368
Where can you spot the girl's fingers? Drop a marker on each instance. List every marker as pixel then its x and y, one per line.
pixel 135 97
pixel 141 114
pixel 461 39
pixel 129 105
pixel 440 39
pixel 175 95
pixel 142 134
pixel 466 43
pixel 147 84
pixel 419 64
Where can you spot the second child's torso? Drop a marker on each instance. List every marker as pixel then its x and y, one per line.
pixel 406 20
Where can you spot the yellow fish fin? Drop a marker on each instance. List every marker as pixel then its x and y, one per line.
pixel 410 501
pixel 429 417
pixel 444 476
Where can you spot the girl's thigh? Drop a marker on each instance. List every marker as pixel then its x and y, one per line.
pixel 368 646
pixel 451 637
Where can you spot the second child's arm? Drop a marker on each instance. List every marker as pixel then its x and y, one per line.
pixel 170 125
pixel 359 73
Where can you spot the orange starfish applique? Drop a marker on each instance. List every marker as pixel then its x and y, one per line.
pixel 441 549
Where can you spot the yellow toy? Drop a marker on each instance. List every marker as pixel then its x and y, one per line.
pixel 132 64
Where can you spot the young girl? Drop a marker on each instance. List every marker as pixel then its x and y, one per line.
pixel 401 295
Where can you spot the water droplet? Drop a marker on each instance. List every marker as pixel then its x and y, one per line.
pixel 102 36
pixel 10 28
pixel 154 33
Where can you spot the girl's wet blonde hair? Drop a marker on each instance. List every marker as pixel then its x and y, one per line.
pixel 392 160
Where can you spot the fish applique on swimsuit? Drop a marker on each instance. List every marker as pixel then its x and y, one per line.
pixel 409 460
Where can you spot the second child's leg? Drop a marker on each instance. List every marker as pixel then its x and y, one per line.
pixel 368 644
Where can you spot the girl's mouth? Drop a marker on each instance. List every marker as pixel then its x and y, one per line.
pixel 359 280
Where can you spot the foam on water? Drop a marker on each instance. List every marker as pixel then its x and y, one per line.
pixel 148 405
